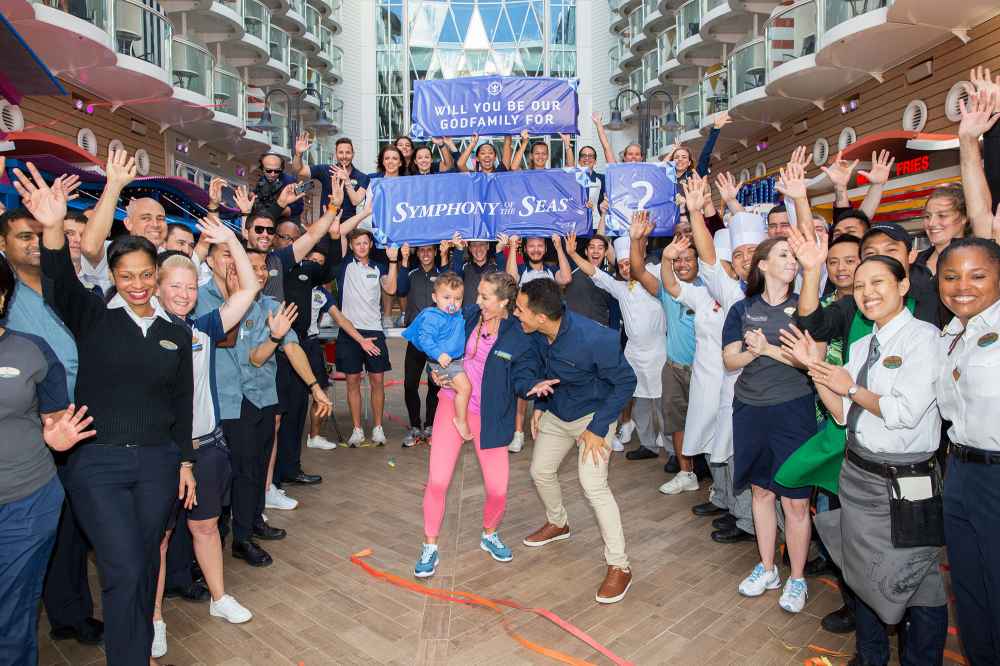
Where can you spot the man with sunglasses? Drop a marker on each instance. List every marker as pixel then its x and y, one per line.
pixel 272 181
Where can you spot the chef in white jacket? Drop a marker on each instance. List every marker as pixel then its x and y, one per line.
pixel 646 327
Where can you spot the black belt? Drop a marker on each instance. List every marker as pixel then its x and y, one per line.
pixel 972 455
pixel 890 471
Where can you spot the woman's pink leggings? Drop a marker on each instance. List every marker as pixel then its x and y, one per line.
pixel 446 444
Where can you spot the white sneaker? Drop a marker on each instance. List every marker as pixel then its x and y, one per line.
pixel 682 482
pixel 759 581
pixel 793 597
pixel 517 443
pixel 659 442
pixel 320 442
pixel 275 498
pixel 159 639
pixel 378 436
pixel 229 610
pixel 616 444
pixel 357 438
pixel 625 431
pixel 410 440
pixel 388 321
pixel 263 517
pixel 427 432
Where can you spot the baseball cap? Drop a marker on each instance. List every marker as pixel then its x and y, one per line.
pixel 892 230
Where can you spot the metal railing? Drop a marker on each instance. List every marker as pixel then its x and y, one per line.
pixel 229 94
pixel 747 67
pixel 690 111
pixel 298 6
pixel 666 44
pixel 651 66
pixel 614 58
pixel 335 9
pixel 257 20
pixel 635 21
pixel 337 61
pixel 193 67
pixel 297 65
pixel 278 45
pixel 791 34
pixel 142 32
pixel 312 21
pixel 715 92
pixel 97 12
pixel 837 12
pixel 688 20
pixel 709 5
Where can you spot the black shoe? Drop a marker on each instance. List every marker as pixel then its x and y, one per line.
pixel 194 592
pixel 731 535
pixel 88 632
pixel 641 453
pixel 840 621
pixel 673 465
pixel 818 566
pixel 706 509
pixel 265 532
pixel 304 479
pixel 725 522
pixel 254 555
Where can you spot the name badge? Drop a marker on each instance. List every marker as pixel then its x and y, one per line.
pixel 196 346
pixel 168 345
pixel 273 272
pixel 789 311
pixel 303 277
pixel 502 354
pixel 9 373
pixel 893 362
pixel 987 340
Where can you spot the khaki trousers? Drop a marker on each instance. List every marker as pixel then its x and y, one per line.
pixel 555 439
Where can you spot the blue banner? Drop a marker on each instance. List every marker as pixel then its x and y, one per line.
pixel 494 105
pixel 424 210
pixel 633 186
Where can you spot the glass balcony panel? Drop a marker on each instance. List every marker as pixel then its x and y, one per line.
pixel 256 20
pixel 791 34
pixel 690 115
pixel 193 67
pixel 312 21
pixel 297 65
pixel 279 45
pixel 746 68
pixel 649 7
pixel 298 6
pixel 839 11
pixel 228 96
pixel 613 60
pixel 650 66
pixel 335 7
pixel 667 45
pixel 97 12
pixel 144 33
pixel 689 19
pixel 715 92
pixel 279 116
pixel 337 60
pixel 709 5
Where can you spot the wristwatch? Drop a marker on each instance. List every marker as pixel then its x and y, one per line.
pixel 853 391
pixel 211 209
pixel 310 387
pixel 275 340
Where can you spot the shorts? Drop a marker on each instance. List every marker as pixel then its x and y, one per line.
pixel 765 437
pixel 453 370
pixel 213 473
pixel 317 361
pixel 674 400
pixel 352 359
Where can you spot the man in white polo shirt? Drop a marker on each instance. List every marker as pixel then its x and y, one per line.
pixel 360 282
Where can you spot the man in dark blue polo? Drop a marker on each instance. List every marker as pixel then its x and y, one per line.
pixel 355 182
pixel 592 382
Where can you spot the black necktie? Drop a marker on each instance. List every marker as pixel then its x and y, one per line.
pixel 854 413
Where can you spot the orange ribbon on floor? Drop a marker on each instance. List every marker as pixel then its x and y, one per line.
pixel 468 598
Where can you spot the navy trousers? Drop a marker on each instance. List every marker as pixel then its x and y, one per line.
pixel 922 636
pixel 294 399
pixel 972 534
pixel 66 594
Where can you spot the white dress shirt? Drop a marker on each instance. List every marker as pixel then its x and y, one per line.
pixel 142 322
pixel 968 382
pixel 904 376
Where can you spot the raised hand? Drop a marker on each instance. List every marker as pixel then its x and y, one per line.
pixel 640 226
pixel 996 225
pixel 571 242
pixel 392 252
pixel 69 183
pixel 792 181
pixel 694 192
pixel 800 346
pixel 727 185
pixel 280 321
pixel 71 427
pixel 244 199
pixel 404 252
pixel 215 191
pixel 881 168
pixel 437 141
pixel 676 247
pixel 46 204
pixel 525 135
pixel 214 231
pixel 721 120
pixel 597 118
pixel 302 143
pixel 456 240
pixel 800 157
pixel 120 169
pixel 839 172
pixel 980 77
pixel 503 240
pixel 979 115
pixel 809 254
pixel 288 195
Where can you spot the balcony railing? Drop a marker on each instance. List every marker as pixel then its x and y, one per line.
pixel 297 65
pixel 747 68
pixel 836 12
pixel 791 34
pixel 337 61
pixel 256 20
pixel 335 108
pixel 635 21
pixel 193 67
pixel 97 12
pixel 279 45
pixel 651 65
pixel 666 44
pixel 649 7
pixel 614 57
pixel 689 20
pixel 709 5
pixel 690 111
pixel 637 79
pixel 312 21
pixel 335 7
pixel 142 32
pixel 279 116
pixel 229 96
pixel 715 93
pixel 325 37
pixel 313 79
pixel 298 6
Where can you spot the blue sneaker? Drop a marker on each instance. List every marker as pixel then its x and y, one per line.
pixel 428 562
pixel 492 544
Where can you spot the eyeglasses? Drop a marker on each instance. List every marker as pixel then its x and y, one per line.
pixel 272 170
pixel 287 237
pixel 263 230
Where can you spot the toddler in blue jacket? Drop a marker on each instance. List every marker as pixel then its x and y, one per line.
pixel 439 332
